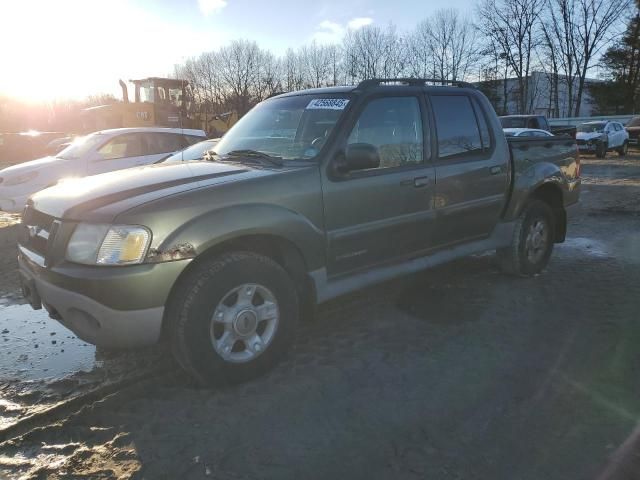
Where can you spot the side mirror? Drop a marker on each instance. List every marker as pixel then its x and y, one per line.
pixel 359 156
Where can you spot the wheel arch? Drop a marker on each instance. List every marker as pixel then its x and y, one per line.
pixel 280 249
pixel 551 194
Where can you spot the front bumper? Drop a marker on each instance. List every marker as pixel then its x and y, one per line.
pixel 117 307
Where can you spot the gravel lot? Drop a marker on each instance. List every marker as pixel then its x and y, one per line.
pixel 455 373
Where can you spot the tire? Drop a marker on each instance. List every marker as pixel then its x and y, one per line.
pixel 601 150
pixel 622 151
pixel 222 324
pixel 529 251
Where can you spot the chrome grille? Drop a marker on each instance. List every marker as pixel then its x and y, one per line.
pixel 38 230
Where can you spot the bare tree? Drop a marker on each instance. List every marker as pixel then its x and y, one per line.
pixel 317 64
pixel 293 71
pixel 372 52
pixel 513 25
pixel 453 44
pixel 594 23
pixel 241 68
pixel 561 38
pixel 419 51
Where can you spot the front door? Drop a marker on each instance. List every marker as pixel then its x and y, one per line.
pixel 381 214
pixel 123 151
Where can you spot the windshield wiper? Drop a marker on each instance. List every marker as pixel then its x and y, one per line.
pixel 253 154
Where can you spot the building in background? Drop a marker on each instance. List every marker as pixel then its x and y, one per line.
pixel 541 100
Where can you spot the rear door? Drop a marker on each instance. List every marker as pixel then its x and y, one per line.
pixel 471 182
pixel 381 214
pixel 161 145
pixel 122 151
pixel 621 134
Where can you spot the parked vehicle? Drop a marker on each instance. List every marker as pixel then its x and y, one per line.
pixel 194 152
pixel 602 136
pixel 526 132
pixel 99 152
pixel 538 122
pixel 633 129
pixel 23 146
pixel 311 195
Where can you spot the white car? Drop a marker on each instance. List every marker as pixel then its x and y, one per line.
pixel 99 152
pixel 526 132
pixel 601 136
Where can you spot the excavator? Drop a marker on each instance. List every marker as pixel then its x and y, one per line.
pixel 157 102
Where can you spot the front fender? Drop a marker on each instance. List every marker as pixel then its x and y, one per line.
pixel 224 224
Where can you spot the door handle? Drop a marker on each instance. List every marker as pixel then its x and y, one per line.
pixel 417 182
pixel 495 170
pixel 420 182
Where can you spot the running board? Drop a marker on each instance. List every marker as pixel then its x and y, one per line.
pixel 329 289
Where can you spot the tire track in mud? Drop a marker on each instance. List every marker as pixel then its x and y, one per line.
pixel 65 408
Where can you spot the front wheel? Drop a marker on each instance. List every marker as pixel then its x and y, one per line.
pixel 532 241
pixel 232 318
pixel 601 150
pixel 622 151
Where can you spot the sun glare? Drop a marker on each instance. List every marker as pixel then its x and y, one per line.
pixel 75 48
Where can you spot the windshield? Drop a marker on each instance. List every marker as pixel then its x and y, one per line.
pixel 591 127
pixel 80 146
pixel 513 122
pixel 194 152
pixel 289 127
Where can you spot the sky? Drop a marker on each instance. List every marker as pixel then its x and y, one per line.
pixel 74 48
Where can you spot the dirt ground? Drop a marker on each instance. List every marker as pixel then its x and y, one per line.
pixel 455 373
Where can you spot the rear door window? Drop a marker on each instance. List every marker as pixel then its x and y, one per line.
pixel 459 134
pixel 164 143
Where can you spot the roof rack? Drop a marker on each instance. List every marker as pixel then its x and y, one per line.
pixel 412 82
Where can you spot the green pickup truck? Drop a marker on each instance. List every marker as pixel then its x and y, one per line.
pixel 313 194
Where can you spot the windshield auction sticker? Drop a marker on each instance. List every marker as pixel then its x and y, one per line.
pixel 327 104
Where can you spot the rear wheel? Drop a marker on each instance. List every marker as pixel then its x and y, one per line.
pixel 232 318
pixel 622 151
pixel 601 150
pixel 532 241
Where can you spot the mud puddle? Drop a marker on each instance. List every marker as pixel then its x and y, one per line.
pixel 35 347
pixel 42 363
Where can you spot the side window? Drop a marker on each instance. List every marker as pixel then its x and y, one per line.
pixel 164 143
pixel 617 126
pixel 122 146
pixel 456 126
pixel 394 126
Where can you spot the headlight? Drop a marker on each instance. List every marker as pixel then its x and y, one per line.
pixel 19 179
pixel 108 245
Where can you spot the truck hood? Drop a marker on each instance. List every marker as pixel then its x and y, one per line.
pixel 83 198
pixel 588 135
